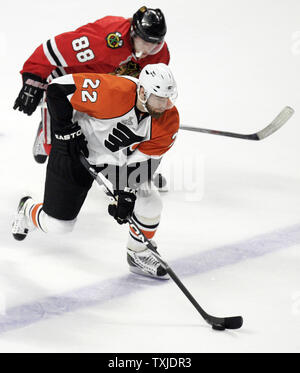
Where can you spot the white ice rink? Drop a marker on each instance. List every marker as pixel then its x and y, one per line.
pixel 230 227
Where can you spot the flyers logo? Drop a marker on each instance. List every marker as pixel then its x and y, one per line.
pixel 114 40
pixel 121 137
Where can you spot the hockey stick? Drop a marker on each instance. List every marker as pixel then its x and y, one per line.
pixel 276 123
pixel 217 323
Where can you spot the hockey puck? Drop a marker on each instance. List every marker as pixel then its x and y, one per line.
pixel 218 327
pixel 159 180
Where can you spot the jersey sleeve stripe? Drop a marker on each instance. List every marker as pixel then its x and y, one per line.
pixel 52 53
pixel 54 74
pixel 47 53
pixel 61 71
pixel 58 54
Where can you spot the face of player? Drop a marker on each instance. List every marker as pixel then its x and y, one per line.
pixel 143 48
pixel 156 105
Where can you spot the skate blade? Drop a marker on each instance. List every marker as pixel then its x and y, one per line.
pixel 138 271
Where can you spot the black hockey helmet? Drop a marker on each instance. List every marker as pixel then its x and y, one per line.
pixel 149 24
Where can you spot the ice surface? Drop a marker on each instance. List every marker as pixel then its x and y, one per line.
pixel 230 229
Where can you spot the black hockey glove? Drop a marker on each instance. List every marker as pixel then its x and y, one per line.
pixel 30 94
pixel 71 140
pixel 124 206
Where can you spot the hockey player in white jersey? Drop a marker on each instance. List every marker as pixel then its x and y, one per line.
pixel 123 126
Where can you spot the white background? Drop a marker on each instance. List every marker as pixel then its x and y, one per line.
pixel 234 239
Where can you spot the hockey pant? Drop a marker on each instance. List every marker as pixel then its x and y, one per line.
pixel 146 214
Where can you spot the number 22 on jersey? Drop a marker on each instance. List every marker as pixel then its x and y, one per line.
pixel 85 94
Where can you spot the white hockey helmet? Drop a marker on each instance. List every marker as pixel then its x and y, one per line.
pixel 158 80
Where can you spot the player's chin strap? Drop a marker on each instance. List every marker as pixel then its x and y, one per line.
pixel 219 323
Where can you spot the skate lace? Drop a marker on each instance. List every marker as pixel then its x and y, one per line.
pixel 151 261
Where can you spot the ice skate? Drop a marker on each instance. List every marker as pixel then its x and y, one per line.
pixel 21 224
pixel 144 263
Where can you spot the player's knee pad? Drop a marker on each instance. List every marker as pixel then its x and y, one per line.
pixel 148 203
pixel 52 225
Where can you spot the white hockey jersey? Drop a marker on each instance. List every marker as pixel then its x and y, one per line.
pixel 117 133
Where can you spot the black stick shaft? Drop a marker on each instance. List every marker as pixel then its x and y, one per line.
pixel 167 268
pixel 149 245
pixel 208 318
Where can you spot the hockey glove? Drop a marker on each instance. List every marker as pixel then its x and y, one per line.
pixel 30 94
pixel 124 206
pixel 71 140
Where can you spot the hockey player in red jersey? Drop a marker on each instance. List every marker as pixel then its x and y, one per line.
pixel 123 126
pixel 109 45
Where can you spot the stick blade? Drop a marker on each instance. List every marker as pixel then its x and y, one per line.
pixel 276 123
pixel 234 322
pixel 222 323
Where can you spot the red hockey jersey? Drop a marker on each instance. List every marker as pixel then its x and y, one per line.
pixel 99 47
